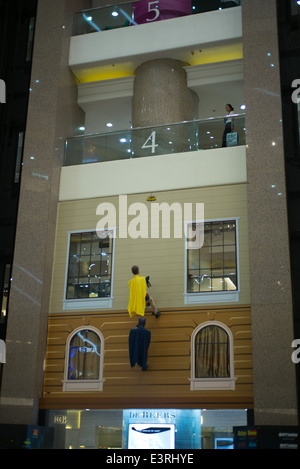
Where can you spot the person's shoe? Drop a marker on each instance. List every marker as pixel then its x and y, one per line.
pixel 156 315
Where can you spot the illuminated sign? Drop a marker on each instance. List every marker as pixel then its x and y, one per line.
pixel 147 436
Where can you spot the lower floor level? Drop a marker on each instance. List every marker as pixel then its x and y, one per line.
pixel 144 428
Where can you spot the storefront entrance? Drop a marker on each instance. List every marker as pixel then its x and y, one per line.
pixel 145 428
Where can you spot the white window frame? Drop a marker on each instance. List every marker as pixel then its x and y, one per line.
pixel 225 384
pixel 213 297
pixel 89 303
pixel 83 384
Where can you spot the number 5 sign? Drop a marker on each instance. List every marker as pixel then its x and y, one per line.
pixel 148 11
pixel 153 7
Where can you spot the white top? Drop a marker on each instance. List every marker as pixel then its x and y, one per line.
pixel 228 118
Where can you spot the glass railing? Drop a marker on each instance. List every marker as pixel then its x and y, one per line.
pixel 140 142
pixel 142 12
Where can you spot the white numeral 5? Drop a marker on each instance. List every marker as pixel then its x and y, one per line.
pixel 154 8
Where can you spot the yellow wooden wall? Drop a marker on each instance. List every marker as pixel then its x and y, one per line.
pixel 166 382
pixel 162 259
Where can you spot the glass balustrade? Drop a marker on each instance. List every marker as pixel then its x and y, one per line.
pixel 196 135
pixel 141 12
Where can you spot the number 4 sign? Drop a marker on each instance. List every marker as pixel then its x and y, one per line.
pixel 151 139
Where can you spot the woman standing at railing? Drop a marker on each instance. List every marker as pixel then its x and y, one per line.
pixel 229 125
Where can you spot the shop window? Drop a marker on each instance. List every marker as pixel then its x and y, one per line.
pixel 89 282
pixel 212 357
pixel 212 273
pixel 84 360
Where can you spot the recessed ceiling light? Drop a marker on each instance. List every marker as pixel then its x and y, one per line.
pixel 115 13
pixel 109 124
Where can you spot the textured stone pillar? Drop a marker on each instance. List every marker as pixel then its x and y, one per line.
pixel 161 96
pixel 53 114
pixel 275 398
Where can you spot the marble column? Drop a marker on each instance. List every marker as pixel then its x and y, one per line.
pixel 53 115
pixel 275 398
pixel 161 96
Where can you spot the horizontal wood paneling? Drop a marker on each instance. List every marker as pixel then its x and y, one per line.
pixel 162 259
pixel 169 359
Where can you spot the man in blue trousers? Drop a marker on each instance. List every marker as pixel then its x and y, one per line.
pixel 139 341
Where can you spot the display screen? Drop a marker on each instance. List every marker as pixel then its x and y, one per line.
pixel 224 443
pixel 151 436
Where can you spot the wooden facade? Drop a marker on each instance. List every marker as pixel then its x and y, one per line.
pixel 166 382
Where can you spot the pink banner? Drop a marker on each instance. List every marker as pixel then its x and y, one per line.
pixel 148 11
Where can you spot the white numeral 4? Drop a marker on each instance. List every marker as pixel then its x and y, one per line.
pixel 152 145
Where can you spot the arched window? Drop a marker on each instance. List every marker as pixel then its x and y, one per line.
pixel 212 357
pixel 84 360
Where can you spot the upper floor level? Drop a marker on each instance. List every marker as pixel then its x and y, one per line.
pixel 114 52
pixel 209 47
pixel 103 17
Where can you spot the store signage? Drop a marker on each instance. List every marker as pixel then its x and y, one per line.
pixel 2 91
pixel 151 415
pixel 60 419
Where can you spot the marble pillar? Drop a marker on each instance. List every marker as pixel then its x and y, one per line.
pixel 275 398
pixel 161 96
pixel 53 115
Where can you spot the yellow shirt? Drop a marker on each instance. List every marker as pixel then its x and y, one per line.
pixel 137 293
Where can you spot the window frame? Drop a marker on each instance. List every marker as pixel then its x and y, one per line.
pixel 70 304
pixel 229 296
pixel 83 384
pixel 225 384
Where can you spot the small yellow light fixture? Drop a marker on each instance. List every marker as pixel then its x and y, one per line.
pixel 151 198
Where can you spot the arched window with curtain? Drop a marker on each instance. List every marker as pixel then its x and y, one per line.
pixel 212 357
pixel 84 360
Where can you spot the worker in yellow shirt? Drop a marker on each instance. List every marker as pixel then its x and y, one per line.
pixel 138 296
